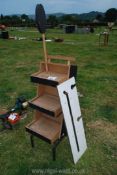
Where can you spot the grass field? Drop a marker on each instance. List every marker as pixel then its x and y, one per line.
pixel 96 80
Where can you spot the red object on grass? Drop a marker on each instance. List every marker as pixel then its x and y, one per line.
pixel 14 118
pixel 2 27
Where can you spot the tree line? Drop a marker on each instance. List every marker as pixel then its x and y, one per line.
pixel 16 20
pixel 23 20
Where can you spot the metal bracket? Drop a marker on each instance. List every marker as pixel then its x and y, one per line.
pixel 79 118
pixel 73 85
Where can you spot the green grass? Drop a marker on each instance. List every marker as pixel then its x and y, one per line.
pixel 96 80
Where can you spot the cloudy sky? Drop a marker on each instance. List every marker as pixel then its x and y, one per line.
pixel 52 6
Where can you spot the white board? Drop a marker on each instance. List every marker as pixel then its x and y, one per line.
pixel 72 116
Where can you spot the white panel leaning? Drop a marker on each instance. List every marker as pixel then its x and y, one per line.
pixel 72 116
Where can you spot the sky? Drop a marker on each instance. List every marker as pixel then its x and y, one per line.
pixel 8 7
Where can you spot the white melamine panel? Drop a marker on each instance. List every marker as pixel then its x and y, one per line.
pixel 72 116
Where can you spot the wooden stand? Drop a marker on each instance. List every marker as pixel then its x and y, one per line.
pixel 48 123
pixel 105 36
pixel 45 51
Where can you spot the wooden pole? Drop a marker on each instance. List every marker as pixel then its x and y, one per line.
pixel 45 51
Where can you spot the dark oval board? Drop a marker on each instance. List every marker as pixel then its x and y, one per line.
pixel 40 18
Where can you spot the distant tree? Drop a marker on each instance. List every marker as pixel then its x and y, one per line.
pixel 75 19
pixel 1 17
pixel 111 15
pixel 67 19
pixel 7 17
pixel 15 17
pixel 15 20
pixel 99 17
pixel 52 20
pixel 6 20
pixel 70 19
pixel 24 17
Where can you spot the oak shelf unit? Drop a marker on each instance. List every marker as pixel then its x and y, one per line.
pixel 48 123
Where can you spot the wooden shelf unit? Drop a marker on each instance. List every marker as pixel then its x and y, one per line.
pixel 48 123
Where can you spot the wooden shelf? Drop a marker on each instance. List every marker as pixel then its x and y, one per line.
pixel 48 78
pixel 48 104
pixel 56 74
pixel 46 128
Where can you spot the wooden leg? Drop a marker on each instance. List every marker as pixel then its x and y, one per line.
pixel 99 40
pixel 54 146
pixel 32 141
pixel 104 40
pixel 54 152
